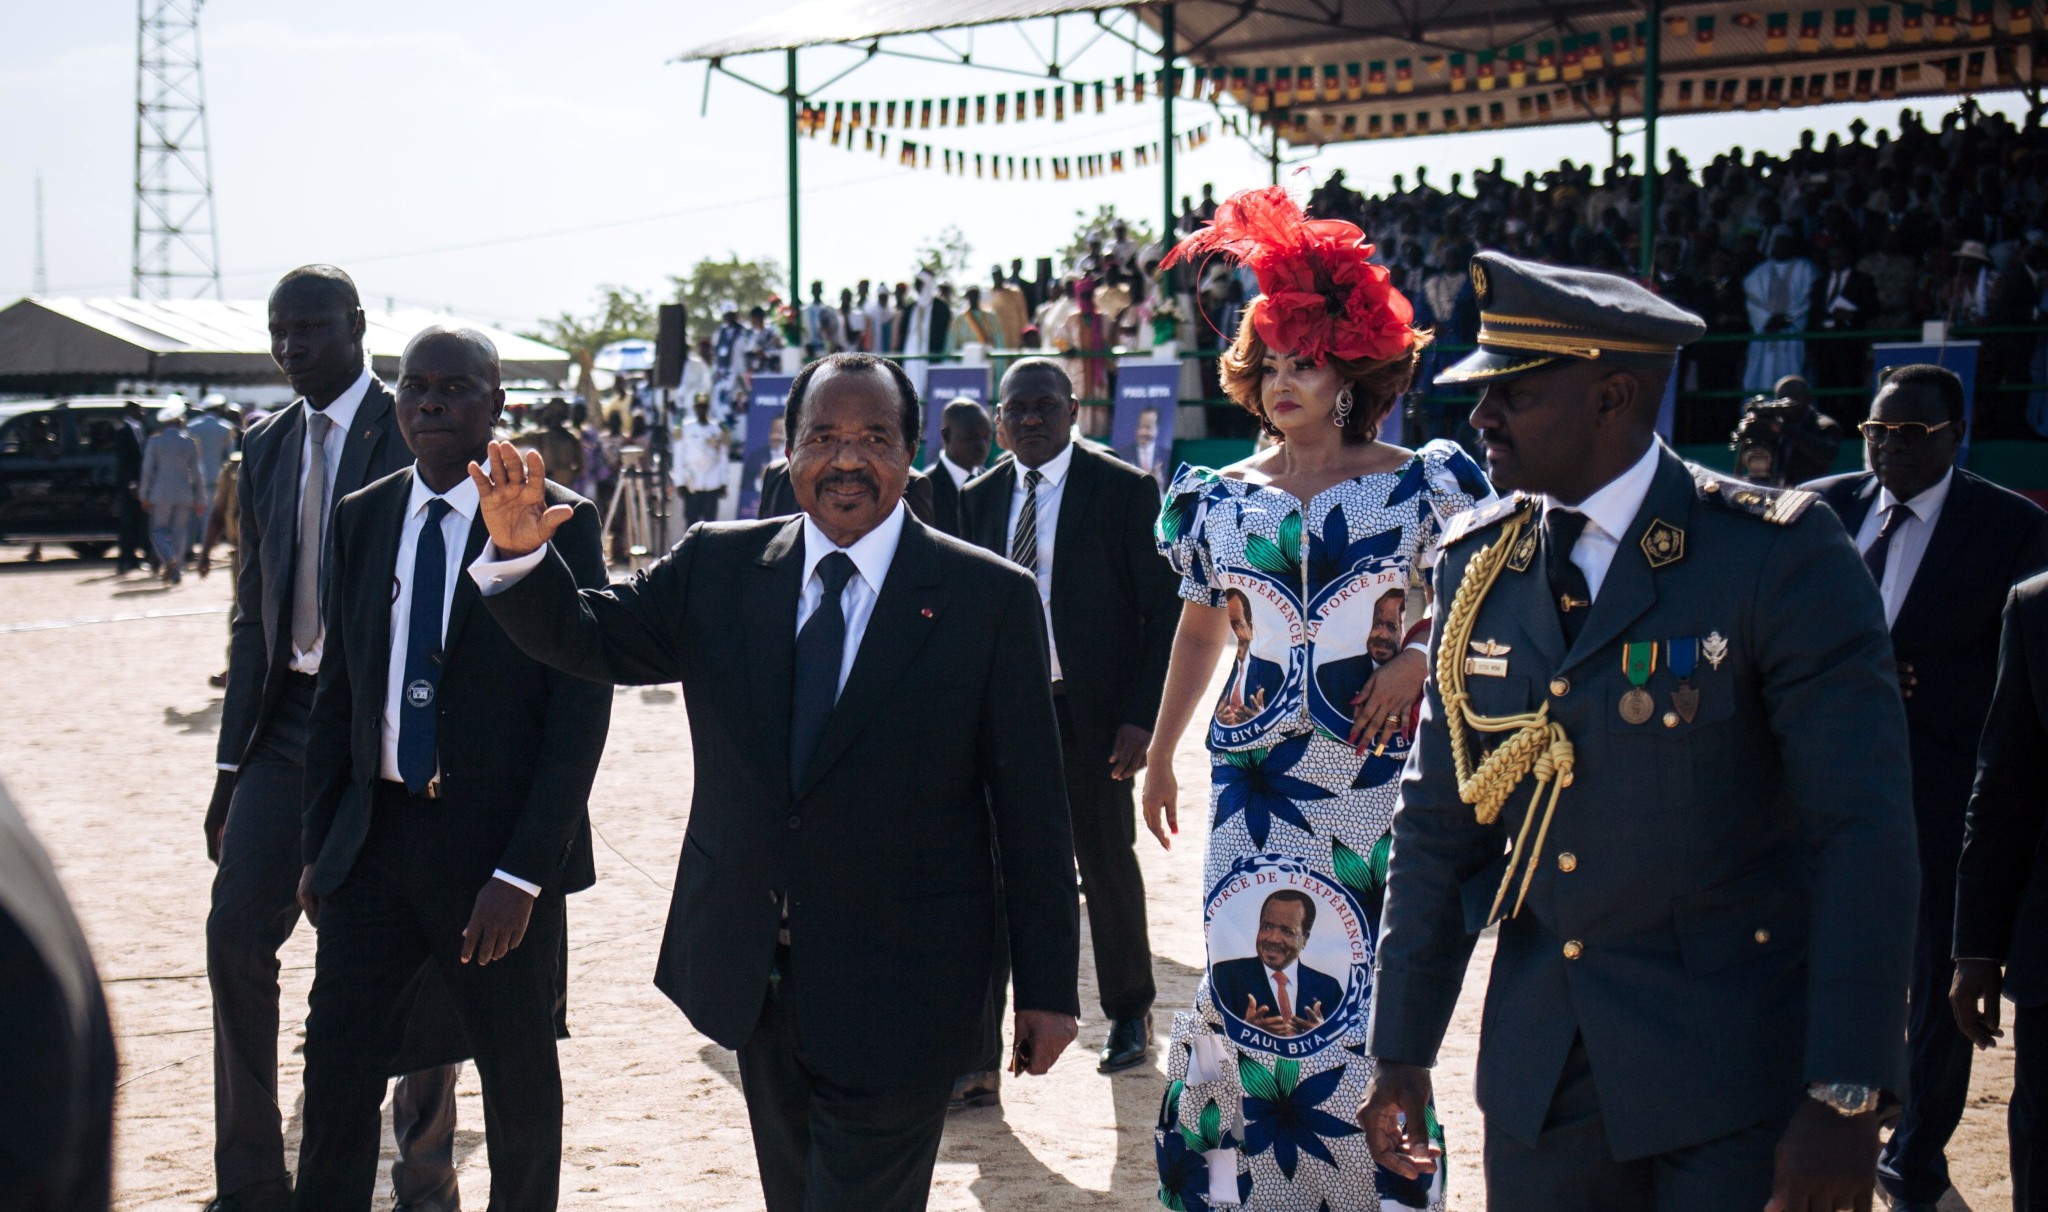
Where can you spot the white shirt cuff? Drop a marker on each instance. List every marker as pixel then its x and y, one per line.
pixel 227 767
pixel 495 574
pixel 1421 646
pixel 516 882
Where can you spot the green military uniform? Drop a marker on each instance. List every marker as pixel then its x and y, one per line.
pixel 1702 861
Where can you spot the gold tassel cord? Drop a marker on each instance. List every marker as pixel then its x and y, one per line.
pixel 1538 745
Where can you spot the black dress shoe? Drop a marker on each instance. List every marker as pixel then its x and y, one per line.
pixel 272 1196
pixel 1129 1045
pixel 977 1090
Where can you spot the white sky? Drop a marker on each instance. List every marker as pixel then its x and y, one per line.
pixel 502 159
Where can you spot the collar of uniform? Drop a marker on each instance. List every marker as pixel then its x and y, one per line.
pixel 1054 469
pixel 1926 506
pixel 1615 504
pixel 343 411
pixel 872 553
pixel 462 498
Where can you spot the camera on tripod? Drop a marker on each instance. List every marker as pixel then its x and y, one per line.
pixel 1758 440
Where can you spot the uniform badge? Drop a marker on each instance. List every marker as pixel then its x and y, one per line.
pixel 1715 649
pixel 1663 543
pixel 1638 662
pixel 1524 553
pixel 1683 656
pixel 1488 659
pixel 1479 293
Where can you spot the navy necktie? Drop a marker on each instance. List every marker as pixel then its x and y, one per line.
pixel 820 650
pixel 416 710
pixel 1568 585
pixel 1879 553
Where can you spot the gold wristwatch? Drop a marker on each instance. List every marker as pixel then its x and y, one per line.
pixel 1844 1098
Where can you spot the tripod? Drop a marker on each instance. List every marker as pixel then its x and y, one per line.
pixel 638 516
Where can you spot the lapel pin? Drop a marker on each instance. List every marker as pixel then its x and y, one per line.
pixel 926 612
pixel 1663 544
pixel 1524 553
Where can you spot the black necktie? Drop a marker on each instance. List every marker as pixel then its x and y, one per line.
pixel 1568 588
pixel 820 649
pixel 416 709
pixel 1879 553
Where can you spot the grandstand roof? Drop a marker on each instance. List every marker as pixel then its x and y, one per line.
pixel 184 340
pixel 1391 68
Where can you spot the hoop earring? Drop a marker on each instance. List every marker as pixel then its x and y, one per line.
pixel 1341 415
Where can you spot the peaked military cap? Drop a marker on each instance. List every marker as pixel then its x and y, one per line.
pixel 1531 315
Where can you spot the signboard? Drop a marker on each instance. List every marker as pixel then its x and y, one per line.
pixel 765 442
pixel 1959 356
pixel 1141 421
pixel 947 384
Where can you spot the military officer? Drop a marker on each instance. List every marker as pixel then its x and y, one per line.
pixel 1664 750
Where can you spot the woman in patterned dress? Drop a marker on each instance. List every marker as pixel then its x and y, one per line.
pixel 1301 566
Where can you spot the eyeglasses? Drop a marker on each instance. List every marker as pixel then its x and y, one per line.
pixel 1910 431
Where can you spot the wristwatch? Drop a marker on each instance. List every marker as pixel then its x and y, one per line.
pixel 1844 1098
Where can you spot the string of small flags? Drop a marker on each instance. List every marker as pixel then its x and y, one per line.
pixel 1002 166
pixel 1055 102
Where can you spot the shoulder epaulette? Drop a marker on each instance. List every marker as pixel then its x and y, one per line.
pixel 1778 506
pixel 1478 518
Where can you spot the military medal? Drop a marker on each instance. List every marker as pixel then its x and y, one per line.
pixel 1638 661
pixel 1683 655
pixel 1716 649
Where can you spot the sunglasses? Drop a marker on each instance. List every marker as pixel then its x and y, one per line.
pixel 1911 431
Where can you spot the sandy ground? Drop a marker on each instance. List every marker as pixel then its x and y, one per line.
pixel 110 755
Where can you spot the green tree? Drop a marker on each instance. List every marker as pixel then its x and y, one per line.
pixel 945 256
pixel 620 313
pixel 714 286
pixel 1098 227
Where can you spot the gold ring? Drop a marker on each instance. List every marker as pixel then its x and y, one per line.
pixel 1394 719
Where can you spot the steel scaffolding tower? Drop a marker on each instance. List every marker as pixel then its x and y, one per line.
pixel 176 249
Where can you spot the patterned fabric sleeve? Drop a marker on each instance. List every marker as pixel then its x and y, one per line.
pixel 1181 532
pixel 1456 484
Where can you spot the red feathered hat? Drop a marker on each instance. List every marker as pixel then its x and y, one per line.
pixel 1320 295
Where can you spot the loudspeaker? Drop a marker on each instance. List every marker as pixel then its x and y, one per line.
pixel 669 348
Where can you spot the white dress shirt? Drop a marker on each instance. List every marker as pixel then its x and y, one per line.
pixel 872 554
pixel 1610 511
pixel 1050 490
pixel 960 474
pixel 1909 541
pixel 342 414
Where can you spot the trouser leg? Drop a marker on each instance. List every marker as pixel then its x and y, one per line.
pixel 778 1094
pixel 1105 832
pixel 1732 1171
pixel 1569 1168
pixel 873 1148
pixel 2027 1115
pixel 1914 1163
pixel 254 909
pixel 423 1128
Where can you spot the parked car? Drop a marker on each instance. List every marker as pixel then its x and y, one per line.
pixel 58 479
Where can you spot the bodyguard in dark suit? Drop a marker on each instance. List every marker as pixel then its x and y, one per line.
pixel 874 743
pixel 447 784
pixel 133 548
pixel 1705 911
pixel 2001 942
pixel 1946 547
pixel 1081 521
pixel 344 417
pixel 964 437
pixel 56 1048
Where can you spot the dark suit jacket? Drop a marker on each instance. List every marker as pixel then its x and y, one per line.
pixel 260 644
pixel 1115 600
pixel 127 454
pixel 778 496
pixel 1744 875
pixel 942 753
pixel 2002 878
pixel 1986 540
pixel 56 1047
pixel 945 499
pixel 1859 289
pixel 518 742
pixel 1232 981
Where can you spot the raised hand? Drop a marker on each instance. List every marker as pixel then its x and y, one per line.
pixel 513 498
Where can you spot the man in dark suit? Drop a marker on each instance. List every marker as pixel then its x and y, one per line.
pixel 875 748
pixel 1946 546
pixel 447 783
pixel 338 436
pixel 1273 990
pixel 964 437
pixel 1844 300
pixel 2001 942
pixel 1692 1005
pixel 1081 521
pixel 132 549
pixel 56 1047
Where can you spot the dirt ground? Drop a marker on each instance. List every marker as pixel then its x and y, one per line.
pixel 110 756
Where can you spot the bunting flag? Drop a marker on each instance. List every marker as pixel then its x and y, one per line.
pixel 1980 19
pixel 1913 24
pixel 955 162
pixel 1944 20
pixel 1845 29
pixel 1778 32
pixel 1878 34
pixel 1703 35
pixel 1809 33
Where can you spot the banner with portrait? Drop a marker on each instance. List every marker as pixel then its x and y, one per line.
pixel 766 399
pixel 1142 419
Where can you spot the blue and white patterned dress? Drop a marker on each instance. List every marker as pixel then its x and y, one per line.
pixel 1261 1113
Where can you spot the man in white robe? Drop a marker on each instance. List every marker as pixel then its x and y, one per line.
pixel 1779 293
